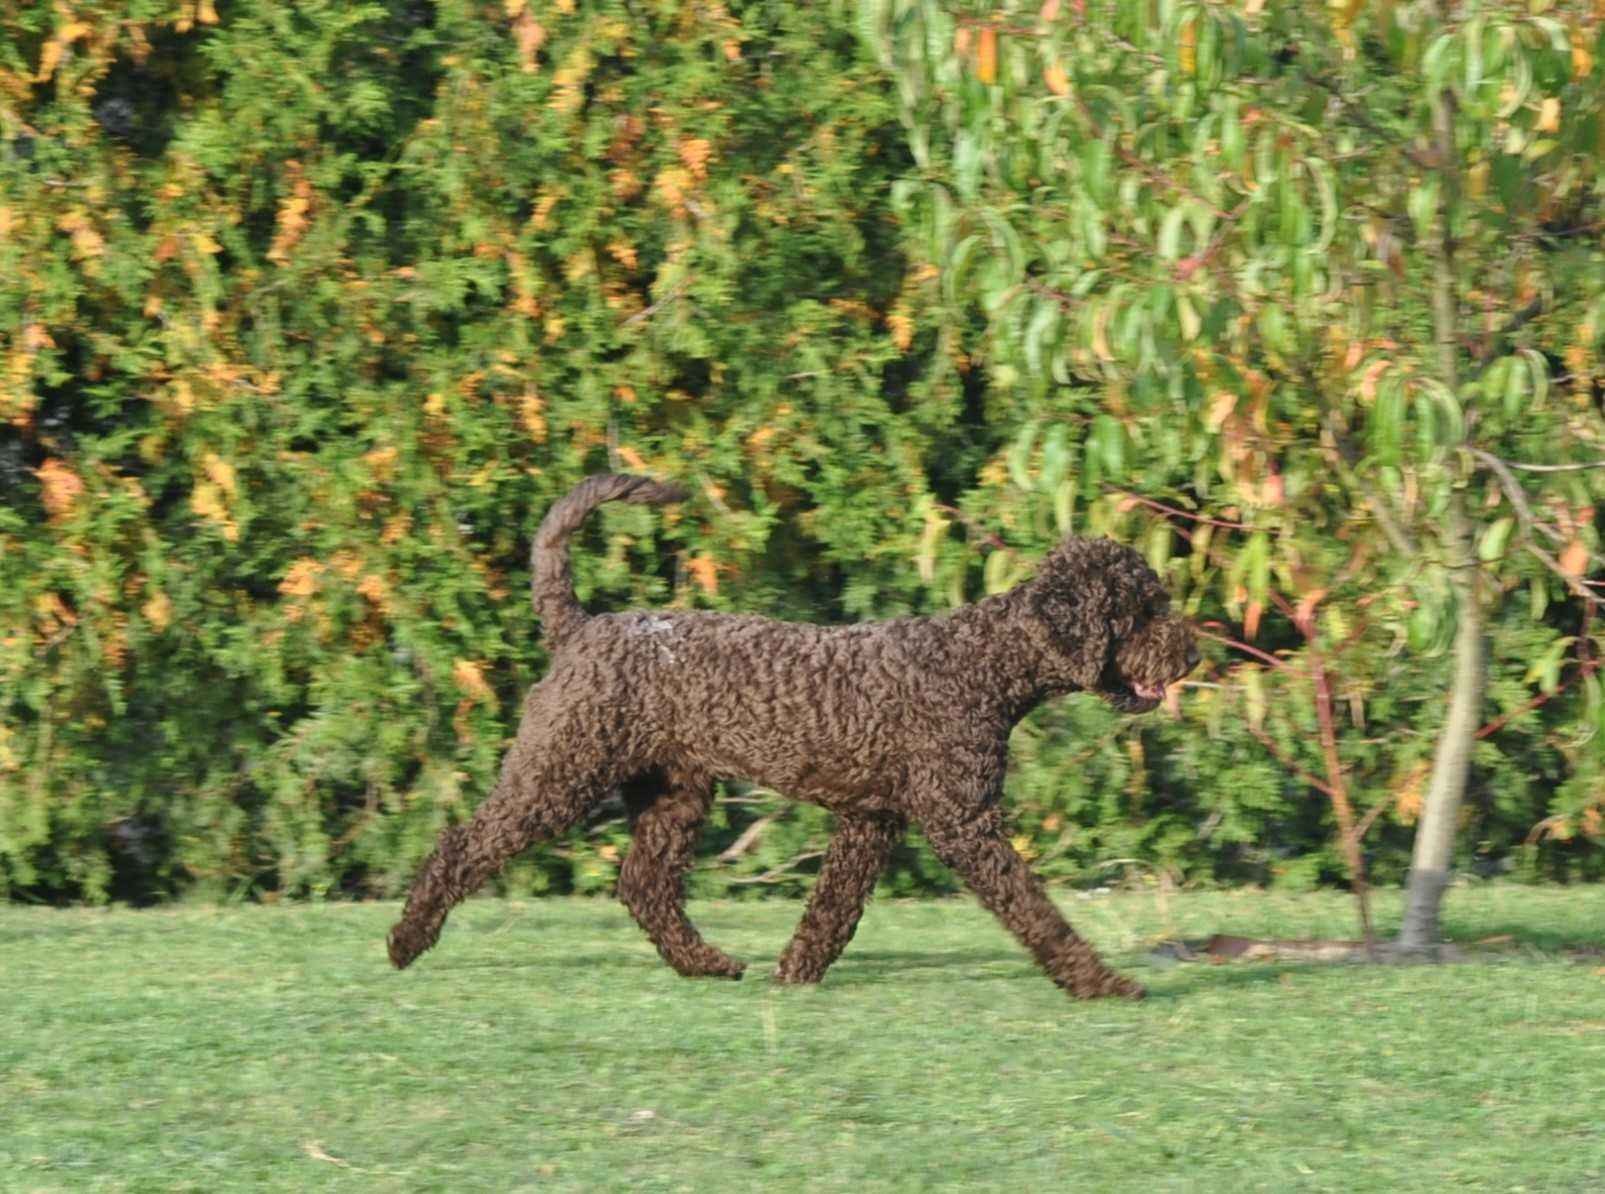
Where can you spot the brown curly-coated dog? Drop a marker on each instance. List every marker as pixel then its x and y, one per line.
pixel 882 723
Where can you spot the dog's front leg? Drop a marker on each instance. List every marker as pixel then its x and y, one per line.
pixel 978 849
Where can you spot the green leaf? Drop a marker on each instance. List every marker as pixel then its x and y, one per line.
pixel 1040 333
pixel 1422 204
pixel 1064 506
pixel 1429 432
pixel 1157 547
pixel 1513 399
pixel 1110 436
pixel 1170 233
pixel 1471 32
pixel 1326 188
pixel 1386 425
pixel 996 572
pixel 1438 61
pixel 1093 233
pixel 1233 143
pixel 1055 458
pixel 1257 567
pixel 1187 315
pixel 1421 628
pixel 1538 367
pixel 1546 668
pixel 1097 160
pixel 1494 537
pixel 956 275
pixel 1005 236
pixel 966 163
pixel 1434 402
pixel 1020 455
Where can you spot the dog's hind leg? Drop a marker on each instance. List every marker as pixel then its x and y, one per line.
pixel 537 797
pixel 858 852
pixel 665 813
pixel 978 848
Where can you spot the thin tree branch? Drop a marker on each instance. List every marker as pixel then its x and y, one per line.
pixel 1179 513
pixel 1152 172
pixel 1370 818
pixel 1348 836
pixel 1417 158
pixel 1515 494
pixel 1524 515
pixel 1240 646
pixel 776 874
pixel 1190 265
pixel 1381 510
pixel 1519 320
pixel 1555 468
pixel 1500 722
pixel 1315 781
pixel 749 838
pixel 648 312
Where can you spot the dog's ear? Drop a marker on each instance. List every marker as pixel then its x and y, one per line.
pixel 1075 594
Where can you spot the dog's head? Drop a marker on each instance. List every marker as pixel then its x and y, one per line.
pixel 1109 625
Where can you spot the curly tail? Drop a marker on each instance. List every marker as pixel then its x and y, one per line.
pixel 551 581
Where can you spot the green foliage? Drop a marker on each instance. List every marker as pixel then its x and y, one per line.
pixel 309 310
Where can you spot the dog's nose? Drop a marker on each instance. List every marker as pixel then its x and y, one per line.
pixel 1193 657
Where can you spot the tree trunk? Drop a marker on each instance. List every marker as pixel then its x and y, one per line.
pixel 1433 855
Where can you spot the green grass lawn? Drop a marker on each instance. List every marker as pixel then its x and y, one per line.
pixel 543 1046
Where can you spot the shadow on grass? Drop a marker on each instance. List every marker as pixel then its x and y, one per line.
pixel 1165 985
pixel 1524 938
pixel 532 959
pixel 1182 982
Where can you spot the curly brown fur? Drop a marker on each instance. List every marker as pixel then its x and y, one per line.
pixel 882 723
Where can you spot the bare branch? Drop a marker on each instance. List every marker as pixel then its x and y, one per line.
pixel 1515 493
pixel 1381 510
pixel 1417 158
pixel 1240 646
pixel 1580 466
pixel 777 874
pixel 1179 513
pixel 749 837
pixel 1573 583
pixel 1530 523
pixel 1520 319
pixel 648 312
pixel 1148 169
pixel 1370 818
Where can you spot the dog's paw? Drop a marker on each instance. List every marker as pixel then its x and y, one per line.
pixel 1126 989
pixel 1111 986
pixel 405 946
pixel 711 964
pixel 793 975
